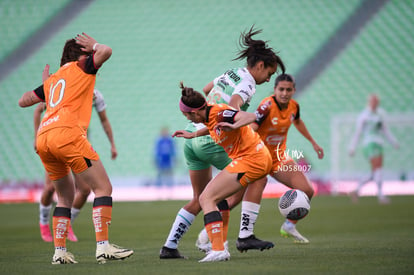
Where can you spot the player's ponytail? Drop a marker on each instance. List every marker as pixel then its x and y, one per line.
pixel 191 99
pixel 257 50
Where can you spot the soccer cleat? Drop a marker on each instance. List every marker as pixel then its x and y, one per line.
pixel 290 231
pixel 112 252
pixel 71 236
pixel 206 247
pixel 45 233
pixel 216 256
pixel 170 253
pixel 251 242
pixel 63 257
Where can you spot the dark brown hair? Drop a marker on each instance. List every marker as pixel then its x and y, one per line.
pixel 285 77
pixel 71 52
pixel 257 50
pixel 191 98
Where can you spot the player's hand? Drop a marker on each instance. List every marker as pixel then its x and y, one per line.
pixel 319 150
pixel 114 153
pixel 225 126
pixel 86 42
pixel 183 134
pixel 351 152
pixel 45 73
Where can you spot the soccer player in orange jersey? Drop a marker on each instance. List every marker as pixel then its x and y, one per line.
pixel 250 159
pixel 275 115
pixel 63 146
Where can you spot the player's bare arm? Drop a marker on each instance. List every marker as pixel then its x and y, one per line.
pixel 28 99
pixel 241 119
pixel 236 101
pixel 208 88
pixel 300 125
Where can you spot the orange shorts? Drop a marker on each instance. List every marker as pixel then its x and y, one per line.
pixel 253 167
pixel 63 149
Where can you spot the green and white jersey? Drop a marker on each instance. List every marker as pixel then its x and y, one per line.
pixel 371 126
pixel 233 82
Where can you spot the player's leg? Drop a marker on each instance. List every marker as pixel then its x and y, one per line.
pixel 249 213
pixel 65 191
pixel 45 208
pixel 222 186
pixel 98 180
pixel 85 162
pixel 186 215
pixel 369 153
pixel 213 154
pixel 376 167
pixel 293 178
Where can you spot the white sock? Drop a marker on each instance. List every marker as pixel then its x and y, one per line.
pixel 44 213
pixel 181 225
pixel 378 181
pixel 249 213
pixel 74 212
pixel 289 224
pixel 102 244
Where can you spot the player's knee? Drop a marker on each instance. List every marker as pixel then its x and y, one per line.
pixel 309 192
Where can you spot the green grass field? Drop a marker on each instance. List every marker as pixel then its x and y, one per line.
pixel 363 238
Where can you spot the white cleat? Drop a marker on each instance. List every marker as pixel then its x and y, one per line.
pixel 206 247
pixel 290 231
pixel 112 252
pixel 63 257
pixel 216 256
pixel 203 242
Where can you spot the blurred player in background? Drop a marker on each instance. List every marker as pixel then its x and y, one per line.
pixel 63 146
pixel 164 158
pixel 235 87
pixel 371 125
pixel 251 160
pixel 82 188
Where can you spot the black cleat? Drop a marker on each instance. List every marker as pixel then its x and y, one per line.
pixel 252 242
pixel 170 253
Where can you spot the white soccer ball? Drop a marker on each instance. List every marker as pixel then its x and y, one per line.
pixel 294 204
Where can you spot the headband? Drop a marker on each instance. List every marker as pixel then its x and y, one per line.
pixel 187 109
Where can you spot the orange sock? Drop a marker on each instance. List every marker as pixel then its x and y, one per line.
pixel 102 215
pixel 225 215
pixel 214 227
pixel 61 223
pixel 224 209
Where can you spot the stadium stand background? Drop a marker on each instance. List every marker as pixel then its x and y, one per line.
pixel 158 43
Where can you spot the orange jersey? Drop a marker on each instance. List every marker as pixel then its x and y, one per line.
pixel 237 143
pixel 274 124
pixel 68 95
